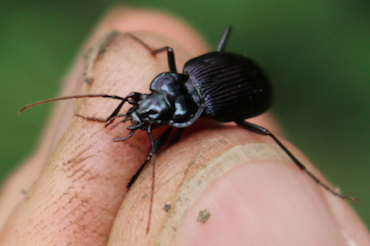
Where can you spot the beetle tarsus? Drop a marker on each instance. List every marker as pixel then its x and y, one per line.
pixel 124 138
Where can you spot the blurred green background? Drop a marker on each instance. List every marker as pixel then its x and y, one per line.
pixel 316 52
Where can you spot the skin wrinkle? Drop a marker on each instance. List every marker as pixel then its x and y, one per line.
pixel 79 218
pixel 76 209
pixel 84 172
pixel 73 167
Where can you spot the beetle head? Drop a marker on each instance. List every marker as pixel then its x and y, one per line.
pixel 153 109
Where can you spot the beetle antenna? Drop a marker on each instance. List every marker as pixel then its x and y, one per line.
pixel 225 35
pixel 70 97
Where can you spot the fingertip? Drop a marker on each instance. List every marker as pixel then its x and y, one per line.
pixel 87 172
pixel 252 191
pixel 269 202
pixel 262 203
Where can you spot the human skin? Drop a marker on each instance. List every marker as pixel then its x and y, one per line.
pixel 76 179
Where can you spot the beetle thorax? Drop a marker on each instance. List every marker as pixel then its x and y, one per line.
pixel 169 102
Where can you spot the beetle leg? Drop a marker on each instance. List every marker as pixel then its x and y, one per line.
pixel 176 137
pixel 124 138
pixel 131 98
pixel 170 57
pixel 113 115
pixel 151 157
pixel 157 145
pixel 263 131
pixel 191 121
pixel 127 118
pixel 94 53
pixel 225 35
pixel 154 52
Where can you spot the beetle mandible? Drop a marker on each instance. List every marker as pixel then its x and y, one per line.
pixel 224 86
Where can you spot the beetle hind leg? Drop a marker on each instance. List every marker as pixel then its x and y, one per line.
pixel 225 35
pixel 154 52
pixel 263 131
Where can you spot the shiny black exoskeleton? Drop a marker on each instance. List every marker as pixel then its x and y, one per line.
pixel 219 85
pixel 222 86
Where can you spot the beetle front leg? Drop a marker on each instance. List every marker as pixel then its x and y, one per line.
pixel 131 98
pixel 157 145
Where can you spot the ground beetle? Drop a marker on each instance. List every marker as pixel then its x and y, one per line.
pixel 219 85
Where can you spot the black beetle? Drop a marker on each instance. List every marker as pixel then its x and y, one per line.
pixel 224 86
